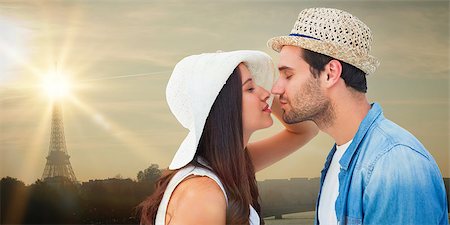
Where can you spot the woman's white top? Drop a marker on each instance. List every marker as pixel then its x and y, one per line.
pixel 178 178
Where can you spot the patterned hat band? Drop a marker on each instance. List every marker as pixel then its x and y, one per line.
pixel 305 36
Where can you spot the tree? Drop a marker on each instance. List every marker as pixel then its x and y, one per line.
pixel 151 174
pixel 13 200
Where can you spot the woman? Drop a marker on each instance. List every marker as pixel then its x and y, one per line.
pixel 211 179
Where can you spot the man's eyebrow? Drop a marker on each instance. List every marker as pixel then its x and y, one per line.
pixel 282 68
pixel 249 79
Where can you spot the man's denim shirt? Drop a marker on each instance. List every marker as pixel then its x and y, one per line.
pixel 387 177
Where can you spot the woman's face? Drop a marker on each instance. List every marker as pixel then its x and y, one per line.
pixel 255 109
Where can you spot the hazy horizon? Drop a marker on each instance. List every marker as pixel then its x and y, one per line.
pixel 121 54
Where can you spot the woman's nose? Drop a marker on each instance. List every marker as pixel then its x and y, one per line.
pixel 264 94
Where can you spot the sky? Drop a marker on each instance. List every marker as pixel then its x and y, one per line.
pixel 119 56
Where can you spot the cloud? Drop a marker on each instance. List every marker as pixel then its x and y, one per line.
pixel 416 102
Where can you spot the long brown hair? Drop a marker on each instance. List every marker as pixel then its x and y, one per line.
pixel 222 146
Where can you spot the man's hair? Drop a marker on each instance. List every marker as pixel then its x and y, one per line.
pixel 352 76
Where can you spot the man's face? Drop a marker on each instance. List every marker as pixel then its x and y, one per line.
pixel 301 95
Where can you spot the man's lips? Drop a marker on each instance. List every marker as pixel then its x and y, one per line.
pixel 283 101
pixel 283 105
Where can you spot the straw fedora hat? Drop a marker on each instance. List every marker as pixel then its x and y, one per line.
pixel 196 82
pixel 331 32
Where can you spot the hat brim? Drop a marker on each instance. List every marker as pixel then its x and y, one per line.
pixel 366 63
pixel 186 151
pixel 195 84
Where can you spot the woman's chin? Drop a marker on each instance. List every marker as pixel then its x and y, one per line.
pixel 268 123
pixel 263 124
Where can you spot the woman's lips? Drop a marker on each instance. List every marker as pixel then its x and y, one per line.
pixel 267 109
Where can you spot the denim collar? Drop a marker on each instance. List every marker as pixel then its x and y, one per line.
pixel 374 113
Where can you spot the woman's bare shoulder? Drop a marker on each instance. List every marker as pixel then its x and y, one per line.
pixel 197 200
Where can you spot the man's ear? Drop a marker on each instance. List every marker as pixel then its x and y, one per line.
pixel 332 72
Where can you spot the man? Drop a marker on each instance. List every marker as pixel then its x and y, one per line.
pixel 377 172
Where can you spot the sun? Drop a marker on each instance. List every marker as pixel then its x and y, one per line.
pixel 56 85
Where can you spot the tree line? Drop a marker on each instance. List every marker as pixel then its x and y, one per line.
pixel 58 200
pixel 114 200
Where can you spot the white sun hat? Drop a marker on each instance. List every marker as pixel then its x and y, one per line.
pixel 194 85
pixel 331 32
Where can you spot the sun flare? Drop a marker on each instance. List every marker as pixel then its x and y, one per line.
pixel 56 85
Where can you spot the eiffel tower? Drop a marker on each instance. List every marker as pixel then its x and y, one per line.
pixel 58 164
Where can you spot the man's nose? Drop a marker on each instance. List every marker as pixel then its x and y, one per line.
pixel 277 88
